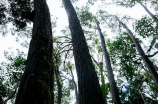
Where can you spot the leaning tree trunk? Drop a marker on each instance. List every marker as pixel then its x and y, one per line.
pixel 36 84
pixel 114 89
pixel 146 60
pixel 88 83
pixel 103 87
pixel 57 75
pixel 146 9
pixel 75 86
pixel 59 86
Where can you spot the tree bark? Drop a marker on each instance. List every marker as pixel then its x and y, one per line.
pixel 147 62
pixel 88 83
pixel 36 84
pixel 114 89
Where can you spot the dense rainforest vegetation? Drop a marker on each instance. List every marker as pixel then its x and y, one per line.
pixel 100 57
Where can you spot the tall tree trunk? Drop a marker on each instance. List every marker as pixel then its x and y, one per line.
pixel 59 87
pixel 103 88
pixel 75 86
pixel 114 89
pixel 146 60
pixel 36 84
pixel 57 74
pixel 88 83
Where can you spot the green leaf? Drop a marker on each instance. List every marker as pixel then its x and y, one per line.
pixel 70 66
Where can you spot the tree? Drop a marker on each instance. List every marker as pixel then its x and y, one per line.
pixel 133 79
pixel 37 82
pixel 114 89
pixel 148 63
pixel 74 83
pixel 57 75
pixel 63 47
pixel 88 84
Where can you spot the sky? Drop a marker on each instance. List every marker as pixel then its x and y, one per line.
pixel 9 41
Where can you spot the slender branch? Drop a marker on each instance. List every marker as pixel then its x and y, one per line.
pixel 63 51
pixel 142 96
pixel 65 46
pixel 152 54
pixel 95 61
pixel 64 42
pixel 118 3
pixel 62 37
pixel 60 45
pixel 66 78
pixel 67 54
pixel 155 101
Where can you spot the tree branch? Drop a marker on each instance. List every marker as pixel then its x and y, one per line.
pixel 66 78
pixel 152 54
pixel 11 96
pixel 63 51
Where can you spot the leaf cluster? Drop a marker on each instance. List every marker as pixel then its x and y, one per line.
pixel 11 74
pixel 146 27
pixel 3 18
pixel 123 53
pixel 20 11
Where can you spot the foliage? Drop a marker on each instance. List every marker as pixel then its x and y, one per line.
pixel 11 74
pixel 132 80
pixel 124 54
pixel 3 17
pixel 62 51
pixel 146 27
pixel 3 90
pixel 16 11
pixel 20 10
